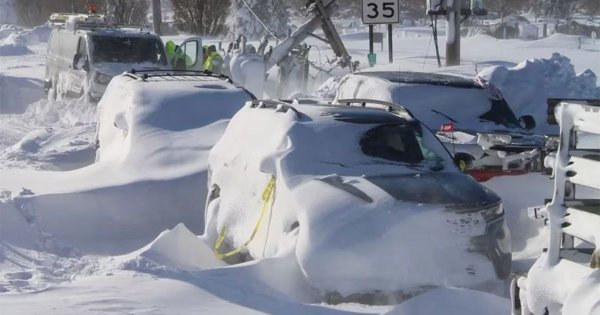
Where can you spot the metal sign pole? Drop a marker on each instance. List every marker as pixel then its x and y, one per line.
pixel 390 43
pixel 371 53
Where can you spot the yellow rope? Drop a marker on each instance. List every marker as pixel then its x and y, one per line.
pixel 267 197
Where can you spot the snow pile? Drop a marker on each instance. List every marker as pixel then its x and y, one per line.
pixel 329 88
pixel 176 249
pixel 527 86
pixel 17 93
pixel 39 34
pixel 452 301
pixel 14 40
pixel 46 135
pixel 13 45
pixel 7 29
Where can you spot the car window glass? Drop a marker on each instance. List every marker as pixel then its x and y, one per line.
pixel 82 49
pixel 190 49
pixel 393 142
pixel 115 49
pixel 501 114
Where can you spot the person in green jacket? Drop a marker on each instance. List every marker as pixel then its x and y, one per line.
pixel 213 62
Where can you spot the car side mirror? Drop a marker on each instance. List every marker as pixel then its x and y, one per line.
pixel 527 122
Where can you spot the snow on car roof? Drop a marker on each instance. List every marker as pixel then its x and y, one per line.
pixel 423 78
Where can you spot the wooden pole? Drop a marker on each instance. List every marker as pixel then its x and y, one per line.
pixel 453 34
pixel 156 16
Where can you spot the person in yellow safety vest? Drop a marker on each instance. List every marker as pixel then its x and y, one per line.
pixel 213 62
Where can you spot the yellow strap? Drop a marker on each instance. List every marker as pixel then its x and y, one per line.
pixel 267 197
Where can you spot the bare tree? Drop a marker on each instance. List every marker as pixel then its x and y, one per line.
pixel 505 7
pixel 205 17
pixel 128 11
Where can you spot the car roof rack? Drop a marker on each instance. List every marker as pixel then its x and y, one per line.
pixel 276 104
pixel 152 73
pixel 390 107
pixel 78 21
pixel 83 21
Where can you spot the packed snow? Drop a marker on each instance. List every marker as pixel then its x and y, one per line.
pixel 124 235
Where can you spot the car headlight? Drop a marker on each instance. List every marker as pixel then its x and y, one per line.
pixel 102 78
pixel 492 213
pixel 488 140
pixel 552 142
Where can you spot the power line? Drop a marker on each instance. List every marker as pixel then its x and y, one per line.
pixel 257 18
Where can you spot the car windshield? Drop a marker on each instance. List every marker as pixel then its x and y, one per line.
pixel 115 49
pixel 399 142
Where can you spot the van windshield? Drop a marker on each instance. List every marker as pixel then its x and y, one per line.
pixel 115 49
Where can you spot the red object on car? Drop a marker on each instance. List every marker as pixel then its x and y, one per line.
pixel 485 175
pixel 449 127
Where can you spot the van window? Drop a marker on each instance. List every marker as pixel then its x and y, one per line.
pixel 113 49
pixel 82 47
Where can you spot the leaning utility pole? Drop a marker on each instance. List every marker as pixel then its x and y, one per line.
pixel 453 33
pixel 156 16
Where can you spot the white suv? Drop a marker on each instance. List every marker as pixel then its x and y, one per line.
pixel 364 199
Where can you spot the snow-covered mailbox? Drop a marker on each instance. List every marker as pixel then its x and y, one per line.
pixel 566 277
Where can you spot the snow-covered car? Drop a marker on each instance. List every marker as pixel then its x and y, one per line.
pixel 470 117
pixel 566 277
pixel 84 53
pixel 364 198
pixel 162 118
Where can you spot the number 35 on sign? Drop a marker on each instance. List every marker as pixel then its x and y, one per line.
pixel 380 12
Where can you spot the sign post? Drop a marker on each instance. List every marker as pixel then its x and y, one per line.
pixel 380 12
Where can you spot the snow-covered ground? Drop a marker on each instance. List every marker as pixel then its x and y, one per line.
pixel 57 254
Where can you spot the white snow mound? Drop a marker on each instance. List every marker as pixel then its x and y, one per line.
pixel 180 249
pixel 453 301
pixel 527 86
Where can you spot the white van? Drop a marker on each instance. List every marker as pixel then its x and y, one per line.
pixel 84 54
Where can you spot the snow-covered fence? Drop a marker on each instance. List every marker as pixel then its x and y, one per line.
pixel 565 279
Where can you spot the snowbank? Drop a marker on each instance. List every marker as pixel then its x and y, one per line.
pixel 7 29
pixel 10 49
pixel 451 301
pixel 528 85
pixel 16 93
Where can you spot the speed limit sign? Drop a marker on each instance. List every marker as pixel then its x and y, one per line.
pixel 380 12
